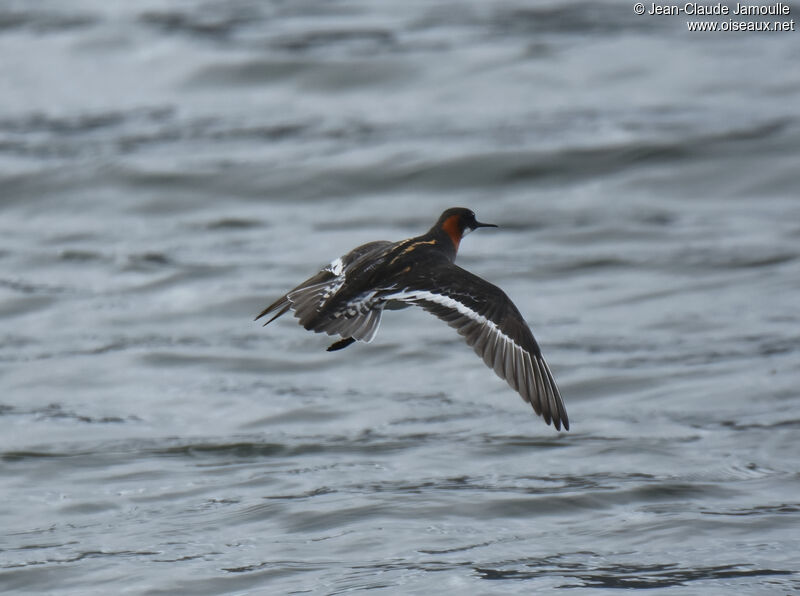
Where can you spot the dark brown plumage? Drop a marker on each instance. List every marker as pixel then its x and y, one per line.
pixel 347 298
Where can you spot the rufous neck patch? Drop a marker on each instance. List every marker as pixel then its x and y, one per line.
pixel 453 229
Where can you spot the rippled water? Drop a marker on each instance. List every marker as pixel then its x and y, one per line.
pixel 167 169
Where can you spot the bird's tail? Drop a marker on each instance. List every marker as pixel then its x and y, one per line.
pixel 309 295
pixel 361 326
pixel 357 318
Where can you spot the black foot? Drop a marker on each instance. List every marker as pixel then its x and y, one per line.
pixel 342 343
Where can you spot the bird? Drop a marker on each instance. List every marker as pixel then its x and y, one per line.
pixel 347 299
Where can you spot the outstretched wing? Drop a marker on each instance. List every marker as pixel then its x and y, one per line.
pixel 495 329
pixel 307 300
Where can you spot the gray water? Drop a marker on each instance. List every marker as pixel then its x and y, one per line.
pixel 169 168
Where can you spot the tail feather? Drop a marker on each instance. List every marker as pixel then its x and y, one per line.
pixel 310 295
pixel 312 301
pixel 361 325
pixel 307 302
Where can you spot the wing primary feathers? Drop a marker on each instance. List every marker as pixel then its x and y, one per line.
pixel 492 325
pixel 558 402
pixel 539 403
pixel 282 304
pixel 347 298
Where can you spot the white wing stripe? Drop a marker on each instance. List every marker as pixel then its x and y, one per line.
pixel 514 361
pixel 454 304
pixel 526 372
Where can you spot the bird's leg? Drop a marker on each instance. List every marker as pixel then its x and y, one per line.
pixel 342 343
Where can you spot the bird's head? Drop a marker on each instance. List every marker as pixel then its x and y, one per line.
pixel 457 222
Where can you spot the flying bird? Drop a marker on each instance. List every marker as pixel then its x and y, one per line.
pixel 348 296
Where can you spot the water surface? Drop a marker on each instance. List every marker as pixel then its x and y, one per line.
pixel 167 169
